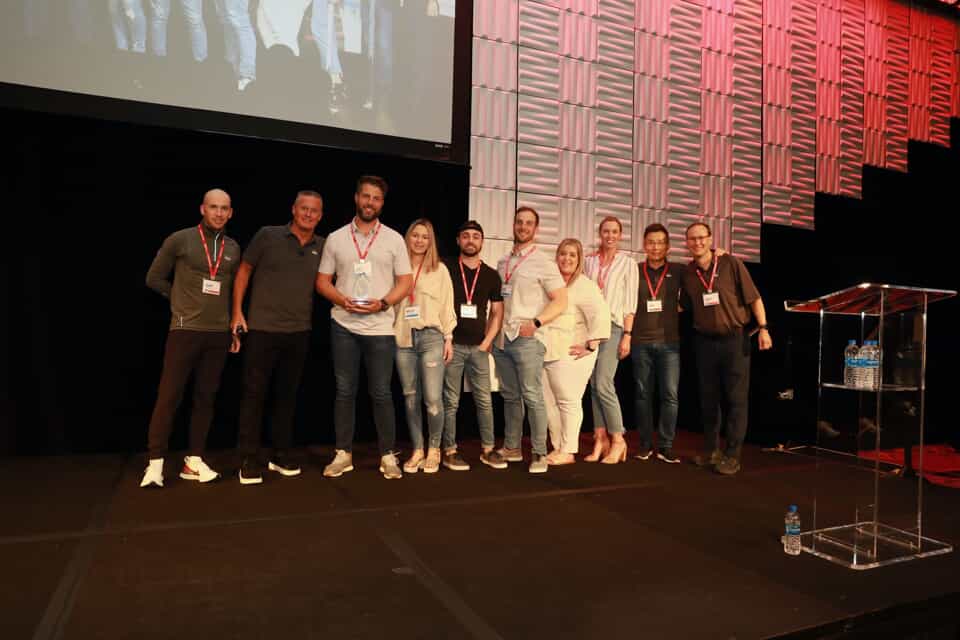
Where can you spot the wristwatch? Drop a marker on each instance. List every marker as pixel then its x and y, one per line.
pixel 589 348
pixel 762 327
pixel 537 323
pixel 384 305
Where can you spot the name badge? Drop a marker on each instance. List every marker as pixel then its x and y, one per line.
pixel 654 306
pixel 468 311
pixel 362 267
pixel 211 287
pixel 506 290
pixel 711 299
pixel 412 313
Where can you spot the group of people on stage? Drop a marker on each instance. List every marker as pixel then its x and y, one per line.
pixel 364 27
pixel 552 326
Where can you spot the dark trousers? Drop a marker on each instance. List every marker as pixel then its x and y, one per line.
pixel 723 372
pixel 203 354
pixel 377 354
pixel 276 356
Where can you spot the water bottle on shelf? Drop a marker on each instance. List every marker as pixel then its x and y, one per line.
pixel 791 536
pixel 850 363
pixel 870 362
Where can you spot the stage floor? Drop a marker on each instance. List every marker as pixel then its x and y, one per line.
pixel 643 549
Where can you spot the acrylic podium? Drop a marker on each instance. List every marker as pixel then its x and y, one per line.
pixel 867 498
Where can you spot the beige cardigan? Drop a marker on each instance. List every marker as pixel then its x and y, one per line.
pixel 434 295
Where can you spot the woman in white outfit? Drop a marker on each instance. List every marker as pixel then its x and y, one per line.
pixel 618 277
pixel 572 343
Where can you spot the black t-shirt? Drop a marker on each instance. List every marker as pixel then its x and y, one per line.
pixel 660 327
pixel 470 331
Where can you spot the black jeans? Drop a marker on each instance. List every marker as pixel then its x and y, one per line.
pixel 203 354
pixel 723 373
pixel 277 356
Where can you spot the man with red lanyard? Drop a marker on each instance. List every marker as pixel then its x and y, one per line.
pixel 280 264
pixel 722 296
pixel 655 345
pixel 534 294
pixel 476 287
pixel 203 262
pixel 372 269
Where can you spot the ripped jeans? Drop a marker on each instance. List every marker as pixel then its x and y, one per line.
pixel 420 369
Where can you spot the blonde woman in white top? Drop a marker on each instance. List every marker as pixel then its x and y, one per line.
pixel 618 277
pixel 572 343
pixel 424 326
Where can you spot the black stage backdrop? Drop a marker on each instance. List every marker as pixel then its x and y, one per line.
pixel 88 203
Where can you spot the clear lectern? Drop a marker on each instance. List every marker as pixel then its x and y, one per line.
pixel 867 505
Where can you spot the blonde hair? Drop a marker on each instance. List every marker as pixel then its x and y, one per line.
pixel 572 242
pixel 431 258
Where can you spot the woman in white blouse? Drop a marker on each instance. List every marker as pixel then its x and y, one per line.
pixel 618 278
pixel 572 343
pixel 424 326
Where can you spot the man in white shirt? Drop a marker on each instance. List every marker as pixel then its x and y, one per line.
pixel 534 294
pixel 373 273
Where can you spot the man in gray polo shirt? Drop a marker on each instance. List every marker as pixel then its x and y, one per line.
pixel 280 263
pixel 373 273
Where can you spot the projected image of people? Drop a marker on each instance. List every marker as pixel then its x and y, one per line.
pixel 376 66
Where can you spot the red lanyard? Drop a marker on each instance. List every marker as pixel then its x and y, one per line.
pixel 655 292
pixel 463 276
pixel 601 276
pixel 363 254
pixel 415 281
pixel 213 268
pixel 507 272
pixel 713 276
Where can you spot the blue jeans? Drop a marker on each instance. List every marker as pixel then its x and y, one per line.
pixel 420 369
pixel 193 12
pixel 129 24
pixel 603 391
pixel 520 367
pixel 377 353
pixel 37 20
pixel 378 16
pixel 656 365
pixel 238 36
pixel 476 363
pixel 324 35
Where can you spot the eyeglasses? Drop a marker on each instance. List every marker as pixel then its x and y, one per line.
pixel 696 239
pixel 656 243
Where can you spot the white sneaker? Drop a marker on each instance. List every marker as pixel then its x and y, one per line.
pixel 538 464
pixel 342 462
pixel 194 468
pixel 242 83
pixel 389 467
pixel 153 474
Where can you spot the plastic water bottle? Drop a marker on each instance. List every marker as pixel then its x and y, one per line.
pixel 850 355
pixel 870 362
pixel 791 536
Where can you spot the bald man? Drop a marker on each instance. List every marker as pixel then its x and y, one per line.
pixel 194 269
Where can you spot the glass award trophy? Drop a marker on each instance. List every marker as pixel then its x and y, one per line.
pixel 361 289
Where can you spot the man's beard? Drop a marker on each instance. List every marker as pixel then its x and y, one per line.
pixel 374 216
pixel 467 251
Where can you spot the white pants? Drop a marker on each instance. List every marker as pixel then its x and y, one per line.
pixel 564 382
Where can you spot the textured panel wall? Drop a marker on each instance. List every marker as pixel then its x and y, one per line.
pixel 730 111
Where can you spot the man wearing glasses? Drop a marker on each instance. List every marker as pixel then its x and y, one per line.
pixel 722 297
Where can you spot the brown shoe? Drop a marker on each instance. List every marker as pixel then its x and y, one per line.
pixel 708 459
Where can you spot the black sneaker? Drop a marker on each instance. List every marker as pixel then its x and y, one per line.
pixel 644 452
pixel 666 454
pixel 283 465
pixel 708 459
pixel 728 466
pixel 250 472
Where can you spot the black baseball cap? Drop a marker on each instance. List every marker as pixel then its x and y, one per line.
pixel 468 225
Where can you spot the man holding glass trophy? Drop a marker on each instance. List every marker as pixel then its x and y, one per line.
pixel 372 271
